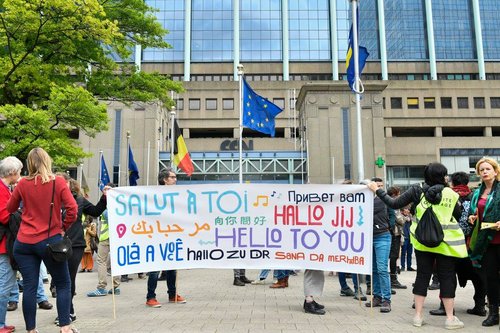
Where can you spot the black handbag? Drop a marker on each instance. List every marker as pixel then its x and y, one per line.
pixel 62 250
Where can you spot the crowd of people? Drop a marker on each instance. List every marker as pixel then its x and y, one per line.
pixel 42 207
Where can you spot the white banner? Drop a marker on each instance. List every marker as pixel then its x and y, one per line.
pixel 324 227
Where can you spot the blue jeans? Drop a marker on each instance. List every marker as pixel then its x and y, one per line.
pixel 265 272
pixel 381 284
pixel 281 273
pixel 343 281
pixel 7 282
pixel 29 257
pixel 406 253
pixel 153 283
pixel 40 292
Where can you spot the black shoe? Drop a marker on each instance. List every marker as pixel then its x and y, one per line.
pixel 12 306
pixel 410 269
pixel 311 308
pixel 162 277
pixel 244 279
pixel 492 318
pixel 397 285
pixel 125 279
pixel 45 305
pixel 438 312
pixel 318 306
pixel 238 282
pixel 393 292
pixel 476 310
pixel 53 292
pixel 434 286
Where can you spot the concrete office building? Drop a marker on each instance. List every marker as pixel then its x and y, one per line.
pixel 432 89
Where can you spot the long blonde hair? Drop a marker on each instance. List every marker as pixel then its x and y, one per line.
pixel 39 164
pixel 491 162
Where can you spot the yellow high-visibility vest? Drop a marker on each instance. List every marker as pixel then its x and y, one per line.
pixel 453 244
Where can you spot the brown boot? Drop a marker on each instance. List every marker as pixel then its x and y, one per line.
pixel 286 282
pixel 279 284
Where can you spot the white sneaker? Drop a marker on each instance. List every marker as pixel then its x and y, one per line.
pixel 418 321
pixel 258 282
pixel 453 324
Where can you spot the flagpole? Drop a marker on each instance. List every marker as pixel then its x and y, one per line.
pixel 99 173
pixel 172 136
pixel 127 161
pixel 147 167
pixel 240 96
pixel 359 132
pixel 81 175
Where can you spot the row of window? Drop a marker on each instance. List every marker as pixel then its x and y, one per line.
pixel 211 104
pixel 329 77
pixel 416 132
pixel 445 102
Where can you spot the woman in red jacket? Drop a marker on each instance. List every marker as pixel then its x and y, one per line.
pixel 36 192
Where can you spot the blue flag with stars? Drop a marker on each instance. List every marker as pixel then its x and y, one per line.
pixel 133 171
pixel 258 112
pixel 104 174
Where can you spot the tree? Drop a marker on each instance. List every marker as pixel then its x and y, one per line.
pixel 56 63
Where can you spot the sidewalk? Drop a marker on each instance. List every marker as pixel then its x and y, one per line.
pixel 215 305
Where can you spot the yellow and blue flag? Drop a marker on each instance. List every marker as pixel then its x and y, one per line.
pixel 258 112
pixel 349 60
pixel 133 171
pixel 104 174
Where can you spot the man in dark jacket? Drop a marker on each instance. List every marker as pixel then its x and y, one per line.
pixel 381 285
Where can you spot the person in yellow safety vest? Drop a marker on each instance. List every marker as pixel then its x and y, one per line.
pixel 103 261
pixel 444 202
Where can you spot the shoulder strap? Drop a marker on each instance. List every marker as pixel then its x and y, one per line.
pixel 51 205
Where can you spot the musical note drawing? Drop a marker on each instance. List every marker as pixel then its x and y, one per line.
pixel 264 198
pixel 272 195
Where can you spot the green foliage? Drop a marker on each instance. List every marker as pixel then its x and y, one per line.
pixel 56 62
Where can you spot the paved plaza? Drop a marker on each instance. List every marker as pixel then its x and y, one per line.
pixel 215 305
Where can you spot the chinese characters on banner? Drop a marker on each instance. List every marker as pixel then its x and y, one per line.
pixel 324 227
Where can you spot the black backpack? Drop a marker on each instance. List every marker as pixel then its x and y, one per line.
pixel 9 231
pixel 429 231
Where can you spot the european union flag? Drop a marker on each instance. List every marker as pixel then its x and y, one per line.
pixel 133 171
pixel 104 174
pixel 258 112
pixel 349 60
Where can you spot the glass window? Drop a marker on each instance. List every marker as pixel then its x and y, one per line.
pixel 194 104
pixel 490 21
pixel 396 103
pixel 292 103
pixel 228 104
pixel 412 102
pixel 171 17
pixel 280 102
pixel 309 37
pixel 453 30
pixel 260 30
pixel 405 31
pixel 211 104
pixel 179 104
pixel 429 103
pixel 495 102
pixel 479 103
pixel 446 103
pixel 463 102
pixel 212 31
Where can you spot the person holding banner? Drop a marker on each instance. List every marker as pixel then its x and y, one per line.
pixel 43 195
pixel 166 177
pixel 435 191
pixel 103 259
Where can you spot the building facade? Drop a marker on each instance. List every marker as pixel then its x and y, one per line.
pixel 431 89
